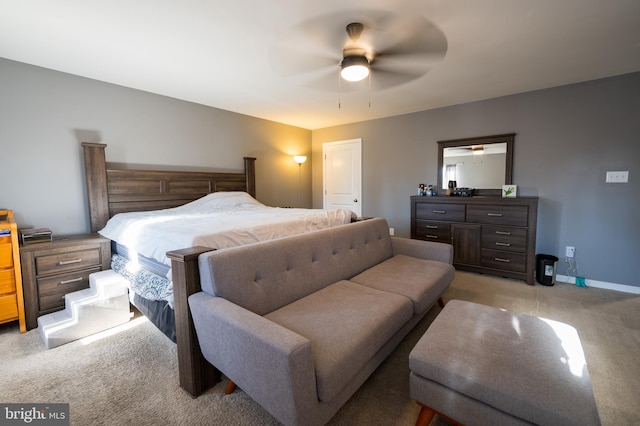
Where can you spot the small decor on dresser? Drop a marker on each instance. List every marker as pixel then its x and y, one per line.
pixel 35 235
pixel 509 190
pixel 426 190
pixel 462 192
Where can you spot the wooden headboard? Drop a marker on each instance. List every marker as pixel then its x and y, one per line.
pixel 112 191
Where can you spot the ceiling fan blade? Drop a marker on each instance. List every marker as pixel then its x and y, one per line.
pixel 410 35
pixel 292 60
pixel 384 79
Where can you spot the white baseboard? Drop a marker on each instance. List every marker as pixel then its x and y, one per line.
pixel 600 284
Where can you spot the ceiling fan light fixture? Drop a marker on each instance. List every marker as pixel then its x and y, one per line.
pixel 354 68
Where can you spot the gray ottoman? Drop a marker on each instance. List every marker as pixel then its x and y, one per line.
pixel 481 365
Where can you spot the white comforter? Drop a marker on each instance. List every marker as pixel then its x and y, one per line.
pixel 218 220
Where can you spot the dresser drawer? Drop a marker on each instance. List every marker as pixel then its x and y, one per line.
pixel 7 281
pixel 508 261
pixel 497 214
pixel 504 238
pixel 51 290
pixel 8 307
pixel 433 231
pixel 440 211
pixel 68 261
pixel 6 255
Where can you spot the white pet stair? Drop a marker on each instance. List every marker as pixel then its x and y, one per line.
pixel 105 304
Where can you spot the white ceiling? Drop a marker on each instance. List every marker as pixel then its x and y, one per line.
pixel 223 53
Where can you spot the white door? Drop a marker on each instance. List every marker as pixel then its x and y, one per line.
pixel 342 175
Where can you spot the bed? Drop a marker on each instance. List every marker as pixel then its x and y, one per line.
pixel 122 198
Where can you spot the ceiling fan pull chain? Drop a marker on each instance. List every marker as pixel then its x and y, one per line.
pixel 339 91
pixel 369 90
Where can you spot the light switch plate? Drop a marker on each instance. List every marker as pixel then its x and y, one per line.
pixel 617 177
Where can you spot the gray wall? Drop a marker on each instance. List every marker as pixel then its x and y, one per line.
pixel 44 115
pixel 566 139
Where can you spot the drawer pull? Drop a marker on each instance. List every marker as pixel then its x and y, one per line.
pixel 69 262
pixel 435 237
pixel 75 280
pixel 503 233
pixel 494 214
pixel 500 259
pixel 432 227
pixel 498 243
pixel 439 211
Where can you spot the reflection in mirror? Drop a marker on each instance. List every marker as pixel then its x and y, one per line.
pixel 483 163
pixel 475 166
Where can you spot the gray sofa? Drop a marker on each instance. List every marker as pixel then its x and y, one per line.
pixel 299 323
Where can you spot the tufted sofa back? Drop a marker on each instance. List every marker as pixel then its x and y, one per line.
pixel 265 276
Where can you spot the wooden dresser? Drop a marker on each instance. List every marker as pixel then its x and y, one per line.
pixel 51 270
pixel 491 235
pixel 11 298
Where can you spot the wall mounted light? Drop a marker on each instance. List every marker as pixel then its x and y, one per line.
pixel 299 159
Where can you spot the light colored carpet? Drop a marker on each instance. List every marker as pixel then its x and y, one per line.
pixel 131 377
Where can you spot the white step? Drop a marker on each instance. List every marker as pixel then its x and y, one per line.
pixel 105 304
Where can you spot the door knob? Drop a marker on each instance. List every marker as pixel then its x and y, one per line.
pixel 355 200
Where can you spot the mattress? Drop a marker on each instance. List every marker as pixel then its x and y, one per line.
pixel 149 288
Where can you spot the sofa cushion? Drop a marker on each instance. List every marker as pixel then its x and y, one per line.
pixel 347 324
pixel 420 280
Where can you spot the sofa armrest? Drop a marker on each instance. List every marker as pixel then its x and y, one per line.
pixel 272 364
pixel 422 249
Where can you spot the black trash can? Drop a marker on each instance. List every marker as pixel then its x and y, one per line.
pixel 546 269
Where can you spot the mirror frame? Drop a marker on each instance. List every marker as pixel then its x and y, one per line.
pixel 482 140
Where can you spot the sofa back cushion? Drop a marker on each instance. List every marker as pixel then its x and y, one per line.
pixel 265 276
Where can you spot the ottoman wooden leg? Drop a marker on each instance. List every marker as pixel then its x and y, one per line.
pixel 427 414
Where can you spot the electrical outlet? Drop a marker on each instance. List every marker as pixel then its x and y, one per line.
pixel 570 251
pixel 617 177
pixel 392 231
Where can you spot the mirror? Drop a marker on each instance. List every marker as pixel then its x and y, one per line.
pixel 483 163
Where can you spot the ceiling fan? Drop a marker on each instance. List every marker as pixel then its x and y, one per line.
pixel 389 49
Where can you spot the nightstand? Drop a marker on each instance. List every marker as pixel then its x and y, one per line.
pixel 52 269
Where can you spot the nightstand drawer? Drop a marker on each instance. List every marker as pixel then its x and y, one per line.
pixel 69 261
pixel 51 290
pixel 8 307
pixel 7 281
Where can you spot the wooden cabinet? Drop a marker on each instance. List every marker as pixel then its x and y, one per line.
pixel 51 270
pixel 11 297
pixel 491 235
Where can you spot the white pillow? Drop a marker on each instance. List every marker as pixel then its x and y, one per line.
pixel 220 201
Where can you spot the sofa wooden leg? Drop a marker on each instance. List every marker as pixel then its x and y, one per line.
pixel 441 302
pixel 230 387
